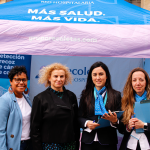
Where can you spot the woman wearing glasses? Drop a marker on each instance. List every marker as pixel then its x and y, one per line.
pixel 15 110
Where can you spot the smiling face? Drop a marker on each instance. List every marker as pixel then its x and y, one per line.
pixel 57 80
pixel 99 77
pixel 19 87
pixel 139 82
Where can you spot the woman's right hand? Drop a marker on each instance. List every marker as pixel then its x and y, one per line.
pixel 92 125
pixel 132 123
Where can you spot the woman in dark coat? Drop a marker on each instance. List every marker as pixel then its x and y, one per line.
pixel 137 88
pixel 97 99
pixel 54 114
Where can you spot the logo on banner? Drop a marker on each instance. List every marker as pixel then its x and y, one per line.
pixel 80 72
pixel 69 2
pixel 75 72
pixel 83 71
pixel 37 76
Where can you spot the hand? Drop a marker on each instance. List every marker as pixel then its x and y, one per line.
pixel 132 122
pixel 112 117
pixel 139 124
pixel 92 125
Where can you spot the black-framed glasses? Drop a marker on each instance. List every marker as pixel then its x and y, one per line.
pixel 18 80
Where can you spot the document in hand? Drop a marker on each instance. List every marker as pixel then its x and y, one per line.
pixel 105 123
pixel 142 112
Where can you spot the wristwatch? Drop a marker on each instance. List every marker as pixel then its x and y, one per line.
pixel 145 126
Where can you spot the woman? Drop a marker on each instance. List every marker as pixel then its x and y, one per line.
pixel 15 111
pixel 137 88
pixel 54 112
pixel 96 101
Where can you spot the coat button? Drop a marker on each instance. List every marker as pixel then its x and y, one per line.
pixel 12 136
pixel 11 149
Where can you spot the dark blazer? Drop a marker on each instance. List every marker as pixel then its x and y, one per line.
pixel 54 120
pixel 107 135
pixel 122 129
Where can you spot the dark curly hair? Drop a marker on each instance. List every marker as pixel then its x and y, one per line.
pixel 17 70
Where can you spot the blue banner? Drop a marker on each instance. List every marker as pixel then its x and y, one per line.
pixel 73 11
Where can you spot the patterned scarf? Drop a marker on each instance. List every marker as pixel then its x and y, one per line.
pixel 99 105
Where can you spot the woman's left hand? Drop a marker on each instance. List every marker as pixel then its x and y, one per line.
pixel 112 117
pixel 139 124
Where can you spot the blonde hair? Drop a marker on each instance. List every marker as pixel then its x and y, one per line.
pixel 45 73
pixel 128 95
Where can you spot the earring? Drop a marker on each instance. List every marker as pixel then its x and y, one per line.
pixel 26 91
pixel 10 90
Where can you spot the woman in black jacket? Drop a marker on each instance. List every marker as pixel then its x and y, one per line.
pixel 97 99
pixel 54 112
pixel 137 88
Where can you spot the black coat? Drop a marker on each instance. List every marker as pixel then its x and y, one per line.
pixel 54 120
pixel 107 135
pixel 122 129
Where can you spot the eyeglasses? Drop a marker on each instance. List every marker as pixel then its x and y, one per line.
pixel 18 80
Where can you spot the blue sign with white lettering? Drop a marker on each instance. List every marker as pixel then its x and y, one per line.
pixel 73 11
pixel 8 61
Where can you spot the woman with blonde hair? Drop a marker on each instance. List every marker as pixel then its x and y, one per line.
pixel 54 113
pixel 137 88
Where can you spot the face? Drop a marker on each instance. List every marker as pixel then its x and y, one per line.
pixel 18 87
pixel 138 82
pixel 99 77
pixel 57 80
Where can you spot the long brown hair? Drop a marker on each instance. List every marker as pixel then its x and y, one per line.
pixel 128 95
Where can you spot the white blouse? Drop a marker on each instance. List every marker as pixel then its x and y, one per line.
pixel 26 113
